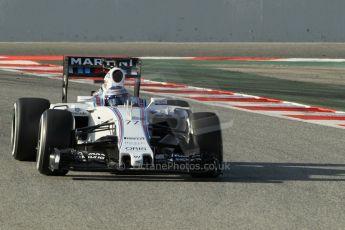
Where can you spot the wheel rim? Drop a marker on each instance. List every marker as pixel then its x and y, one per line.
pixel 13 130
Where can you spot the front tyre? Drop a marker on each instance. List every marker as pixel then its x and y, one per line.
pixel 25 121
pixel 55 132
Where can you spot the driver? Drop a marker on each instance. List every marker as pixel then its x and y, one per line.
pixel 112 91
pixel 115 96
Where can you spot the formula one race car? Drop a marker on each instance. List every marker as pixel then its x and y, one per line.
pixel 114 131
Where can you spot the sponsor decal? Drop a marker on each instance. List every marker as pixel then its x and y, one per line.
pixel 100 61
pixel 84 156
pixel 135 138
pixel 86 61
pixel 126 63
pixel 134 148
pixel 96 156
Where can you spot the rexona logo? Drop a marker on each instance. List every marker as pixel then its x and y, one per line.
pixel 136 148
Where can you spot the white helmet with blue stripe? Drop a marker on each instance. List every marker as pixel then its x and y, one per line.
pixel 115 77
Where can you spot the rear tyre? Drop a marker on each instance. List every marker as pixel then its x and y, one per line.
pixel 25 121
pixel 55 132
pixel 207 136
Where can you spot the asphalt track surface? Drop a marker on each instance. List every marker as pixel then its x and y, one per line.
pixel 284 175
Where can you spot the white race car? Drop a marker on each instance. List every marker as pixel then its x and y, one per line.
pixel 106 133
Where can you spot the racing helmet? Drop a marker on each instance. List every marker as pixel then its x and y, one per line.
pixel 115 77
pixel 116 95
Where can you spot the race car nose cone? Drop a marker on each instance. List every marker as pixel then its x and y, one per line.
pixel 137 160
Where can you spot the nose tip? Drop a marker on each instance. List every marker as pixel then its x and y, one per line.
pixel 136 160
pixel 143 160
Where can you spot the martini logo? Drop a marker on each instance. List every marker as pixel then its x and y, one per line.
pixel 100 61
pixel 86 61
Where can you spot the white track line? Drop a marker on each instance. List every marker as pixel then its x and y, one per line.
pixel 18 62
pixel 310 60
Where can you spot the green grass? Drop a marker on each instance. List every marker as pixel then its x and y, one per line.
pixel 201 74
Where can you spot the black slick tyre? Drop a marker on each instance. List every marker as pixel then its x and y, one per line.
pixel 25 121
pixel 207 136
pixel 55 132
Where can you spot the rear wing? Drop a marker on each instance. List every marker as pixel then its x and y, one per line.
pixel 95 68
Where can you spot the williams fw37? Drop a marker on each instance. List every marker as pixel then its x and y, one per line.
pixel 113 131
